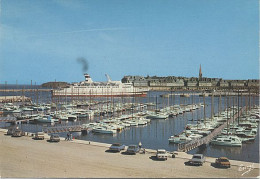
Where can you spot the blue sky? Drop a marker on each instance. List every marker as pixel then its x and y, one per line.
pixel 40 40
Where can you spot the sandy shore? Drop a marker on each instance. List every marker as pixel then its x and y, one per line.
pixel 25 157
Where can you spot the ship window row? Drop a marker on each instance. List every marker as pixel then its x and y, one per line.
pixel 97 86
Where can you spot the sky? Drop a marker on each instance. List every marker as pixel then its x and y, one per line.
pixel 43 40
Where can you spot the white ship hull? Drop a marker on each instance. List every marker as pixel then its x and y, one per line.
pixel 88 88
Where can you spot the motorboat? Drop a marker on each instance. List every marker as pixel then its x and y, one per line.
pixel 246 135
pixel 45 119
pixel 103 130
pixel 195 136
pixel 27 109
pixel 227 140
pixel 132 123
pixel 157 116
pixel 179 139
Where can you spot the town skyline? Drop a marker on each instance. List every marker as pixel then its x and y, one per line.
pixel 200 77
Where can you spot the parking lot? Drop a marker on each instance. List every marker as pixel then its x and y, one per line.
pixel 25 157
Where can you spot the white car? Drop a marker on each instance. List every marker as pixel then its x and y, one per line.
pixel 161 154
pixel 39 136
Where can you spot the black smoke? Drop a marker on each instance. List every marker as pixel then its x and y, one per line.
pixel 84 63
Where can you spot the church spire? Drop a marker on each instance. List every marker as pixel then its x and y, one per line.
pixel 200 73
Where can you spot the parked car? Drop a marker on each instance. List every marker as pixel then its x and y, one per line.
pixel 197 159
pixel 10 131
pixel 222 162
pixel 132 149
pixel 18 133
pixel 54 138
pixel 39 136
pixel 117 147
pixel 161 154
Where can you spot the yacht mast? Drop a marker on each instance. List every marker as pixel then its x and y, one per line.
pixel 227 113
pixel 204 109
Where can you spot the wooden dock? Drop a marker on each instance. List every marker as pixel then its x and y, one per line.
pixel 65 128
pixel 205 140
pixel 14 120
pixel 10 99
pixel 8 119
pixel 23 90
pixel 201 94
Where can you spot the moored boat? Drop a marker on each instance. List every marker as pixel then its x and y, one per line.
pixel 179 139
pixel 228 140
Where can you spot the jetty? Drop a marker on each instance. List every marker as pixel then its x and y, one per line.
pixel 10 99
pixel 15 121
pixel 65 128
pixel 201 94
pixel 23 90
pixel 8 119
pixel 185 147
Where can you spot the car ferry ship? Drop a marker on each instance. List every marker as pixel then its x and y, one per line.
pixel 100 89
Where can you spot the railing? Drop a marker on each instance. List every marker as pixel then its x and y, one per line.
pixel 63 128
pixel 205 140
pixel 7 119
pixel 25 90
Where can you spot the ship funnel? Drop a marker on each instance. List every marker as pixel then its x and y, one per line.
pixel 108 78
pixel 87 78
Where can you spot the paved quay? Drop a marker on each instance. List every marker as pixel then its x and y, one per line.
pixel 25 157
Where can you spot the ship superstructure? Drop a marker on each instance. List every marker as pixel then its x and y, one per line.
pixel 100 89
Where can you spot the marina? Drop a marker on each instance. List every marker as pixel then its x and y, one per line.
pixel 204 141
pixel 153 120
pixel 129 89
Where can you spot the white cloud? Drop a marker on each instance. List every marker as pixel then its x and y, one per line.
pixel 78 31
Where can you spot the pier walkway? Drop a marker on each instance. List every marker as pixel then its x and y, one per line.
pixel 65 128
pixel 11 99
pixel 8 119
pixel 14 120
pixel 205 140
pixel 24 90
pixel 201 94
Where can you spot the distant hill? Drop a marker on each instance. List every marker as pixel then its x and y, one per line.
pixel 55 84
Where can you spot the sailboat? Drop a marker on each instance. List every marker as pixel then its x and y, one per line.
pixel 227 140
pixel 157 114
pixel 103 130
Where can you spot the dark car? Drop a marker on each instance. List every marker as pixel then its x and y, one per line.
pixel 222 162
pixel 117 147
pixel 18 133
pixel 197 159
pixel 54 138
pixel 132 149
pixel 10 131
